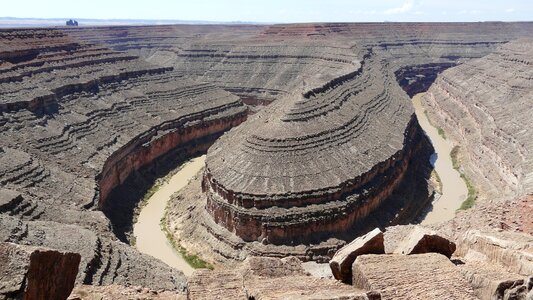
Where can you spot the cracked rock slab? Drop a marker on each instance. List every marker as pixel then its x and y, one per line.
pixel 418 276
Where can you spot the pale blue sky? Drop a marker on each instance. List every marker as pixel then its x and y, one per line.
pixel 277 11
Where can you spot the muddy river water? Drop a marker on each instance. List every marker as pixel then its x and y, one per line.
pixel 150 238
pixel 454 190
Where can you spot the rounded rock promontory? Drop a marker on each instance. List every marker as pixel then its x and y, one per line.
pixel 316 163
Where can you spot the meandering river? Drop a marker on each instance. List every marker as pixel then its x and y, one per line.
pixel 454 190
pixel 150 239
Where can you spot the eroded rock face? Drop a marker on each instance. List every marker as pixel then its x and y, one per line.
pixel 36 273
pixel 341 263
pixel 485 105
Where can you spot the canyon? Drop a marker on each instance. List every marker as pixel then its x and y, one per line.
pixel 310 141
pixel 490 121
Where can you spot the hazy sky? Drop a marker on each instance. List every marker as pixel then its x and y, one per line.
pixel 275 10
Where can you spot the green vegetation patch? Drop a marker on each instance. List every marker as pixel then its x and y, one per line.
pixel 192 259
pixel 439 130
pixel 472 193
pixel 454 156
pixel 436 176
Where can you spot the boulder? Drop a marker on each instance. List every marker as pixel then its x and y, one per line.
pixel 36 273
pixel 341 263
pixel 418 276
pixel 511 250
pixel 492 281
pixel 422 240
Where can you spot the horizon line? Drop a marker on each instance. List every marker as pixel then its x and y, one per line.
pixel 207 22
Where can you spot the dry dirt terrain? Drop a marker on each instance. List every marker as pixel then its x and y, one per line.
pixel 324 146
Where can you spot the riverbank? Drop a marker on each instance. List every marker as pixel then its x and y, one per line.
pixel 149 236
pixel 454 190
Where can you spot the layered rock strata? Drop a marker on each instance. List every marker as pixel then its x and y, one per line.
pixel 77 121
pixel 258 70
pixel 414 52
pixel 85 127
pixel 262 63
pixel 485 106
pixel 313 165
pixel 104 261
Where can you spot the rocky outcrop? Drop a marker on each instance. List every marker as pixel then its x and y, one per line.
pixel 493 247
pixel 269 278
pixel 420 276
pixel 341 263
pixel 103 261
pixel 483 105
pixel 497 264
pixel 508 249
pixel 423 241
pixel 493 282
pixel 36 273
